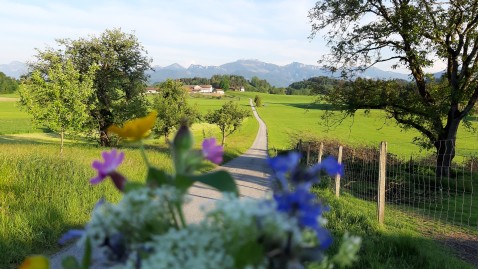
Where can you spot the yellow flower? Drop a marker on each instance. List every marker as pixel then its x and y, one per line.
pixel 135 129
pixel 35 262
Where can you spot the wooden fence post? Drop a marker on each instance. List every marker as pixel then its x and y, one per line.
pixel 321 151
pixel 381 182
pixel 337 177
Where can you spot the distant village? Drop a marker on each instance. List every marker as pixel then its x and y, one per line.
pixel 197 89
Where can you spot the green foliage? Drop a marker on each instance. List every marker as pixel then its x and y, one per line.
pixel 171 103
pixel 228 118
pixel 417 34
pixel 260 85
pixel 258 101
pixel 313 86
pixel 58 100
pixel 7 84
pixel 224 84
pixel 118 82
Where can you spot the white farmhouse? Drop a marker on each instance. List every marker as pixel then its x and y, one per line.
pixel 206 89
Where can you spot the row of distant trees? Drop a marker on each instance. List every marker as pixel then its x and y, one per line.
pixel 7 84
pixel 88 84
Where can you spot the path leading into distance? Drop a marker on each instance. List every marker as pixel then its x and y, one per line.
pixel 250 170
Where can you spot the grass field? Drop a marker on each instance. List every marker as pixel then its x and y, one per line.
pixel 12 120
pixel 300 116
pixel 42 195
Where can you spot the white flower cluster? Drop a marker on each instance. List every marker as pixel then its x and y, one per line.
pixel 257 217
pixel 192 247
pixel 139 215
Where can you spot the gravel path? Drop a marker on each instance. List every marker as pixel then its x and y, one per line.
pixel 250 171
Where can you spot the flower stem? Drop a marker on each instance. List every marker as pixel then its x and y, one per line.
pixel 143 154
pixel 171 209
pixel 181 214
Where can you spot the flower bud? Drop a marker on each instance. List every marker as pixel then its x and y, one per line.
pixel 183 141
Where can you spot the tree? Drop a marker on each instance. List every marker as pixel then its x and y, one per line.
pixel 416 34
pixel 7 84
pixel 228 118
pixel 258 101
pixel 58 99
pixel 172 107
pixel 119 80
pixel 224 84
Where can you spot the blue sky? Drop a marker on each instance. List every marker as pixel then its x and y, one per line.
pixel 206 32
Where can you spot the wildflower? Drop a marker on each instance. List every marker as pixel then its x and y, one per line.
pixel 71 234
pixel 301 205
pixel 108 168
pixel 212 151
pixel 282 165
pixel 35 262
pixel 331 166
pixel 135 129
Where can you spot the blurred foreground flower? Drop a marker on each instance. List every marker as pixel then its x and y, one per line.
pixel 148 229
pixel 135 129
pixel 212 151
pixel 35 262
pixel 107 168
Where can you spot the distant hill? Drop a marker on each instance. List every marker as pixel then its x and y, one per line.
pixel 276 75
pixel 14 69
pixel 279 76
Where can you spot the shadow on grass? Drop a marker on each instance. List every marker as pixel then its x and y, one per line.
pixel 307 106
pixel 45 230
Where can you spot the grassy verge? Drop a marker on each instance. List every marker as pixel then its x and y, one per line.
pixel 397 244
pixel 42 195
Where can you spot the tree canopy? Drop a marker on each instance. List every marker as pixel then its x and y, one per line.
pixel 415 34
pixel 228 118
pixel 172 106
pixel 7 84
pixel 58 99
pixel 119 80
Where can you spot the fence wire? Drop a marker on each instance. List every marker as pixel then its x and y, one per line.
pixel 415 184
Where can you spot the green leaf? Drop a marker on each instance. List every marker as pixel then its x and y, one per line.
pixel 157 177
pixel 250 253
pixel 70 263
pixel 220 180
pixel 87 255
pixel 132 186
pixel 183 183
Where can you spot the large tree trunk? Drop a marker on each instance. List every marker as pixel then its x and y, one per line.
pixel 445 147
pixel 223 138
pixel 105 120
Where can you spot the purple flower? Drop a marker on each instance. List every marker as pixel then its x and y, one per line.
pixel 211 151
pixel 108 168
pixel 71 234
pixel 302 205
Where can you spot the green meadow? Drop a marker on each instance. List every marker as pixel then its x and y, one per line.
pixel 43 194
pixel 289 116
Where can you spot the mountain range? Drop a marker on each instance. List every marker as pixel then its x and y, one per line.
pixel 276 75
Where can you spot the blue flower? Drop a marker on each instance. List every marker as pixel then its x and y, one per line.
pixel 331 166
pixel 302 205
pixel 70 235
pixel 283 164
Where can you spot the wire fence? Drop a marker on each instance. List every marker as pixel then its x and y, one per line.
pixel 437 187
